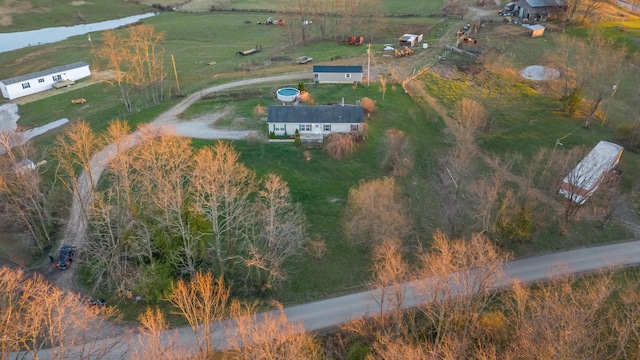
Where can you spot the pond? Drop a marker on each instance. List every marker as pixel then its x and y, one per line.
pixel 17 40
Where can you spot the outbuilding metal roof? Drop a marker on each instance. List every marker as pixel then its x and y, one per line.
pixel 545 3
pixel 43 73
pixel 337 69
pixel 349 114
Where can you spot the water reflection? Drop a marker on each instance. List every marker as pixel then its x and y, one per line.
pixel 18 40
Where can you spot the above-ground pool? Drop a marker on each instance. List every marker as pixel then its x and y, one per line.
pixel 287 94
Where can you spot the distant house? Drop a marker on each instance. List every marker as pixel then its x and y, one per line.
pixel 315 121
pixel 28 84
pixel 540 10
pixel 410 39
pixel 591 171
pixel 337 74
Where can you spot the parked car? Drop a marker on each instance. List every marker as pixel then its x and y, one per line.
pixel 65 256
pixel 96 303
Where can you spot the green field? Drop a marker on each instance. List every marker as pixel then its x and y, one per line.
pixel 37 14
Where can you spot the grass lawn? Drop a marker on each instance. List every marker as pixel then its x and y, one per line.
pixel 322 184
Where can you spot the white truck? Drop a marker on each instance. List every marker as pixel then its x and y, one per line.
pixel 509 9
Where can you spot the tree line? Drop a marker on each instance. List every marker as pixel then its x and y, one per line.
pixel 165 210
pixel 462 315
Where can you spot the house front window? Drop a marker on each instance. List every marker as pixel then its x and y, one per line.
pixel 279 127
pixel 304 127
pixel 26 85
pixel 57 77
pixel 327 127
pixel 348 76
pixel 354 127
pixel 40 81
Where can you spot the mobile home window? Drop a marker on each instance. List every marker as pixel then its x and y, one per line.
pixel 57 77
pixel 304 127
pixel 348 76
pixel 327 127
pixel 26 85
pixel 354 127
pixel 41 80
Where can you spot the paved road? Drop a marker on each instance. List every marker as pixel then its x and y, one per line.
pixel 328 313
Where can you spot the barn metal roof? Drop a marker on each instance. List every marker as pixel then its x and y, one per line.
pixel 349 114
pixel 545 3
pixel 43 73
pixel 337 69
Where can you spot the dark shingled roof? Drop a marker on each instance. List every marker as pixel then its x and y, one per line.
pixel 43 73
pixel 337 69
pixel 349 114
pixel 545 3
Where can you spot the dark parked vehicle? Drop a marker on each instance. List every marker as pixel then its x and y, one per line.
pixel 96 303
pixel 65 256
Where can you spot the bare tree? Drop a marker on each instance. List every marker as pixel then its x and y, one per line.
pixel 153 326
pixel 203 301
pixel 20 190
pixel 461 274
pixel 486 192
pixel 398 155
pixel 591 68
pixel 269 336
pixel 115 56
pixel 163 196
pixel 471 116
pixel 146 60
pixel 36 316
pixel 73 151
pixel 279 234
pixel 136 62
pixel 223 188
pixel 375 212
pixel 389 270
pixel 561 320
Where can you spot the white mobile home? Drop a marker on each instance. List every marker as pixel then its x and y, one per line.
pixel 28 84
pixel 315 121
pixel 337 74
pixel 585 178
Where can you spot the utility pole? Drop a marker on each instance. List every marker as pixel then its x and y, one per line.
pixel 175 71
pixel 368 63
pixel 614 88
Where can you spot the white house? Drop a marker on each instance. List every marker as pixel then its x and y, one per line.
pixel 337 74
pixel 314 121
pixel 28 84
pixel 585 178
